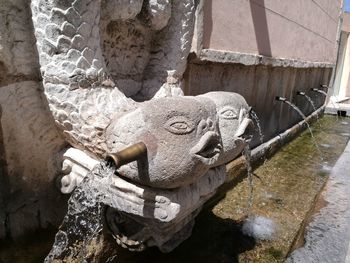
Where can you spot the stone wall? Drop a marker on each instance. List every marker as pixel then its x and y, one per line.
pixel 259 85
pixel 29 140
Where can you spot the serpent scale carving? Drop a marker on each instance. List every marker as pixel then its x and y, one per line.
pixel 81 93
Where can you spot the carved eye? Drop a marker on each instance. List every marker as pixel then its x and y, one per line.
pixel 179 125
pixel 228 113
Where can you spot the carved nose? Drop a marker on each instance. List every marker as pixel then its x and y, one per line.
pixel 206 125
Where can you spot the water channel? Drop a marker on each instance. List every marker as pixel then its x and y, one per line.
pixel 286 188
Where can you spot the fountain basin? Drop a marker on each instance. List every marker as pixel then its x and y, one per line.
pixel 286 190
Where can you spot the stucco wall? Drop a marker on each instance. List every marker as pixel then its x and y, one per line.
pixel 346 22
pixel 342 84
pixel 301 29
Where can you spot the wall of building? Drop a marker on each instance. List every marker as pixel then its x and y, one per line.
pixel 263 49
pixel 301 29
pixel 342 78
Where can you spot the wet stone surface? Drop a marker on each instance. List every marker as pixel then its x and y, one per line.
pixel 285 190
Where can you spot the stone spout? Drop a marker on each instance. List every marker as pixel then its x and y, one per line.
pixel 132 153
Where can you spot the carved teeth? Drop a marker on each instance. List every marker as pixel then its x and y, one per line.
pixel 208 148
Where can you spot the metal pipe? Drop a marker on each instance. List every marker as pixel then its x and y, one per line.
pixel 132 153
pixel 280 98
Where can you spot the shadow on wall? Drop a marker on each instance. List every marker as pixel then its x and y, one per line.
pixel 2 183
pixel 259 19
pixel 260 27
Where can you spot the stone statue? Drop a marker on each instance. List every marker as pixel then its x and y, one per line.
pixel 112 74
pixel 234 121
pixel 181 135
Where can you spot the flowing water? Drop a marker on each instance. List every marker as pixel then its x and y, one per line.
pixel 247 156
pixel 285 189
pixel 311 102
pixel 330 99
pixel 82 226
pixel 258 125
pixel 320 91
pixel 293 106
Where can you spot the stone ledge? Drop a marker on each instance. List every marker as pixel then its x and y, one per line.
pixel 208 55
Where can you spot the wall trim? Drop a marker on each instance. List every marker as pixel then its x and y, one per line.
pixel 210 55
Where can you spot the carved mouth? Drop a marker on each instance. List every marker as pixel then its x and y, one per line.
pixel 208 149
pixel 244 131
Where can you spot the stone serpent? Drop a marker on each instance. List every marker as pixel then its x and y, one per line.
pixel 78 85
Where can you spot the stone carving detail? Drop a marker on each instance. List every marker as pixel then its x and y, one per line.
pixel 234 121
pixel 181 135
pixel 112 73
pixel 78 85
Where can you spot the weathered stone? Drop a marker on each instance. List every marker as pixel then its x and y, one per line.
pixel 233 113
pixel 181 135
pixel 18 57
pixel 3 184
pixel 31 145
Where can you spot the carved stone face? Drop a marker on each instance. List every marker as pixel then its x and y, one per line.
pixel 233 115
pixel 181 135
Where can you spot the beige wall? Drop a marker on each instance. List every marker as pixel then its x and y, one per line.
pixel 346 22
pixel 343 73
pixel 344 90
pixel 299 29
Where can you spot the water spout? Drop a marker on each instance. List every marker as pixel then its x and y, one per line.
pixel 132 153
pixel 280 98
pixel 319 91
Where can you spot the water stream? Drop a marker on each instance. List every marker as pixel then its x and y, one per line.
pixel 247 156
pixel 330 99
pixel 311 102
pixel 258 125
pixel 320 91
pixel 293 106
pixel 284 191
pixel 82 226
